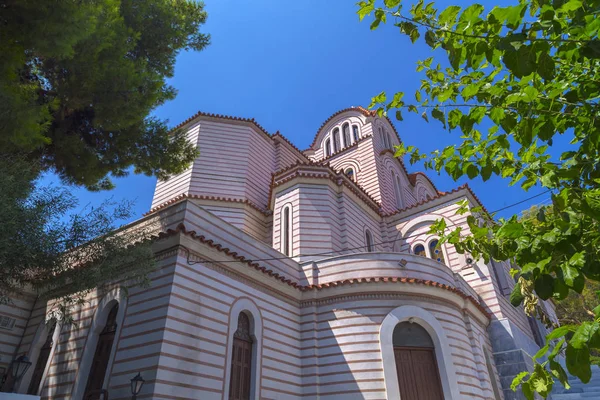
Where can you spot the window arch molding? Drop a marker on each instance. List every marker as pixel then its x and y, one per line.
pixel 355 165
pixel 34 352
pixel 116 295
pixel 443 352
pixel 249 307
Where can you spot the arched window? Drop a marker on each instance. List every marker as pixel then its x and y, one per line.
pixel 389 140
pixel 42 361
pixel 369 241
pixel 286 230
pixel 397 189
pixel 241 360
pixel 93 389
pixel 416 363
pixel 436 251
pixel 419 250
pixel 336 140
pixel 327 147
pixel 350 173
pixel 355 132
pixel 346 134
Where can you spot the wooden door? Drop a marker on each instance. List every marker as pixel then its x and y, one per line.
pixel 418 374
pixel 241 361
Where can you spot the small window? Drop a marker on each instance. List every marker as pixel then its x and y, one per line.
pixel 286 231
pixel 355 132
pixel 327 147
pixel 350 173
pixel 436 251
pixel 7 322
pixel 336 140
pixel 346 134
pixel 369 240
pixel 419 250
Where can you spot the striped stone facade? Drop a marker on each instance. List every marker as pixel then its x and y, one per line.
pixel 323 289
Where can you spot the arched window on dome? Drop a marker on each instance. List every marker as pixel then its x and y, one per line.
pixel 346 134
pixel 369 241
pixel 286 230
pixel 398 190
pixel 436 251
pixel 241 360
pixel 349 172
pixel 389 140
pixel 419 250
pixel 355 132
pixel 327 147
pixel 336 140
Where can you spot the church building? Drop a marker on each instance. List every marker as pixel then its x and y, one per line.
pixel 288 274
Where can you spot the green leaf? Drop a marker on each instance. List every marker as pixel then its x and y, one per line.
pixel 561 331
pixel 365 8
pixel 571 5
pixel 583 334
pixel 578 362
pixel 510 16
pixel 541 380
pixel 511 230
pixel 518 380
pixel 439 115
pixel 516 297
pixel 544 286
pixel 559 373
pixel 448 16
pixel 541 352
pixel 569 273
pixel 471 13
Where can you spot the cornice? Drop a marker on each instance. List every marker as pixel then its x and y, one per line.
pixel 184 196
pixel 181 229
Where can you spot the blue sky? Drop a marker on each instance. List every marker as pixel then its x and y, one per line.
pixel 290 65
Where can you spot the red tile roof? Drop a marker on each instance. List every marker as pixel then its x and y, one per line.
pixel 184 196
pixel 440 195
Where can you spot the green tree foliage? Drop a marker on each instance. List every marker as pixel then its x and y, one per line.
pixel 61 256
pixel 510 80
pixel 79 78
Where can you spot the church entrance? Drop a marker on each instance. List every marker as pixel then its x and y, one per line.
pixel 416 365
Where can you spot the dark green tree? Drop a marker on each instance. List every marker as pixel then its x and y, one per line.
pixel 60 255
pixel 80 78
pixel 510 80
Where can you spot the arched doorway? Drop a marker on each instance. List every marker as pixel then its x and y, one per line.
pixel 416 365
